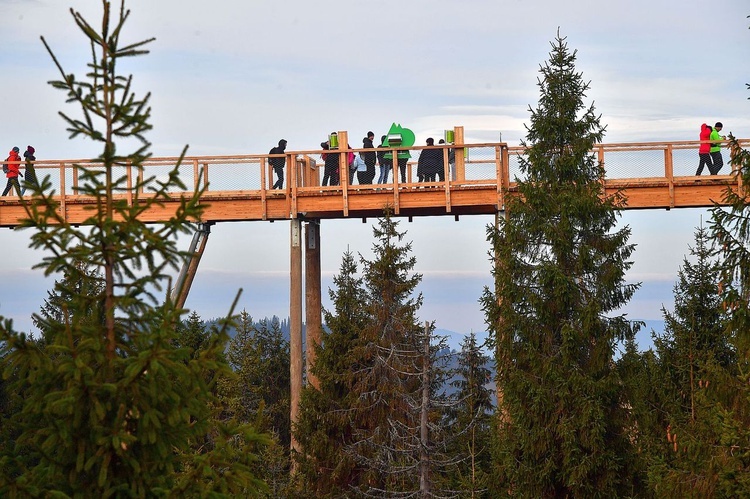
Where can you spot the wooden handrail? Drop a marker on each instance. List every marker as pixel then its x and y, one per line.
pixel 652 174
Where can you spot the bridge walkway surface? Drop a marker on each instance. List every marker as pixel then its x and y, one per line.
pixel 652 175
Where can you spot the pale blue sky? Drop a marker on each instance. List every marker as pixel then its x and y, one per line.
pixel 234 76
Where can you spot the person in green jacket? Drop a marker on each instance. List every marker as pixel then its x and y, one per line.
pixel 716 158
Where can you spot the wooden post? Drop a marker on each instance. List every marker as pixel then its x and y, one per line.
pixel 196 175
pixel 264 187
pixel 458 140
pixel 129 181
pixel 344 169
pixel 312 296
pixel 63 195
pixel 499 342
pixel 291 184
pixel 295 323
pixel 499 173
pixel 669 173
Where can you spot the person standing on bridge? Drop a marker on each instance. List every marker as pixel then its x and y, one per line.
pixel 370 159
pixel 430 162
pixel 12 170
pixel 704 151
pixel 331 165
pixel 278 163
pixel 385 164
pixel 30 171
pixel 716 139
pixel 451 162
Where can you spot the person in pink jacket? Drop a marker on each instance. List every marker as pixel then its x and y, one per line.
pixel 704 151
pixel 11 172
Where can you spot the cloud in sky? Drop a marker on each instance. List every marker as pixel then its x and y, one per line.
pixel 233 77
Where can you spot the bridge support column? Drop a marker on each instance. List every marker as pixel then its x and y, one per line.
pixel 295 322
pixel 499 343
pixel 313 318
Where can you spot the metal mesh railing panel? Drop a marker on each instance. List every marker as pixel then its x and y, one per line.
pixel 480 163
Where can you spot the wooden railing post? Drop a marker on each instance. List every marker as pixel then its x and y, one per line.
pixel 196 174
pixel 129 181
pixel 460 158
pixel 447 180
pixel 736 164
pixel 600 158
pixel 669 173
pixel 63 194
pixel 344 169
pixel 75 180
pixel 291 184
pixel 500 174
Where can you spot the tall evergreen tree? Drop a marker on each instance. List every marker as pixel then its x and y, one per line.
pixel 192 334
pixel 693 347
pixel 470 421
pixel 372 428
pixel 390 439
pixel 387 384
pixel 646 411
pixel 112 407
pixel 695 334
pixel 84 282
pixel 559 270
pixel 259 392
pixel 324 428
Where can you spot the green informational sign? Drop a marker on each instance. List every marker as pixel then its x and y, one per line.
pixel 399 136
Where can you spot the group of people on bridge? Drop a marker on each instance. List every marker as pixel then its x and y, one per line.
pixel 12 170
pixel 709 153
pixel 430 165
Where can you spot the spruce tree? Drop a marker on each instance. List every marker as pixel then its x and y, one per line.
pixel 111 407
pixel 324 428
pixel 389 443
pixel 695 334
pixel 194 334
pixel 559 271
pixel 693 348
pixel 646 412
pixel 83 282
pixel 469 419
pixel 259 392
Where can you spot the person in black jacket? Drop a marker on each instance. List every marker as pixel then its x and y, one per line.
pixel 430 162
pixel 278 164
pixel 370 158
pixel 451 163
pixel 385 164
pixel 331 166
pixel 30 176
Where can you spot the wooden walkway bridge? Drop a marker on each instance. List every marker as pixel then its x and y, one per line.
pixel 652 175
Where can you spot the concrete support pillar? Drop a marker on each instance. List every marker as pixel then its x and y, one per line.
pixel 295 321
pixel 313 317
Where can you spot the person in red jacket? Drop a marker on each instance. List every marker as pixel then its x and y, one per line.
pixel 13 161
pixel 704 151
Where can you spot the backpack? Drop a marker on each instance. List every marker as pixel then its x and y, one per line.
pixel 5 165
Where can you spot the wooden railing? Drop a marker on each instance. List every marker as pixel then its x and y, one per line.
pixel 238 187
